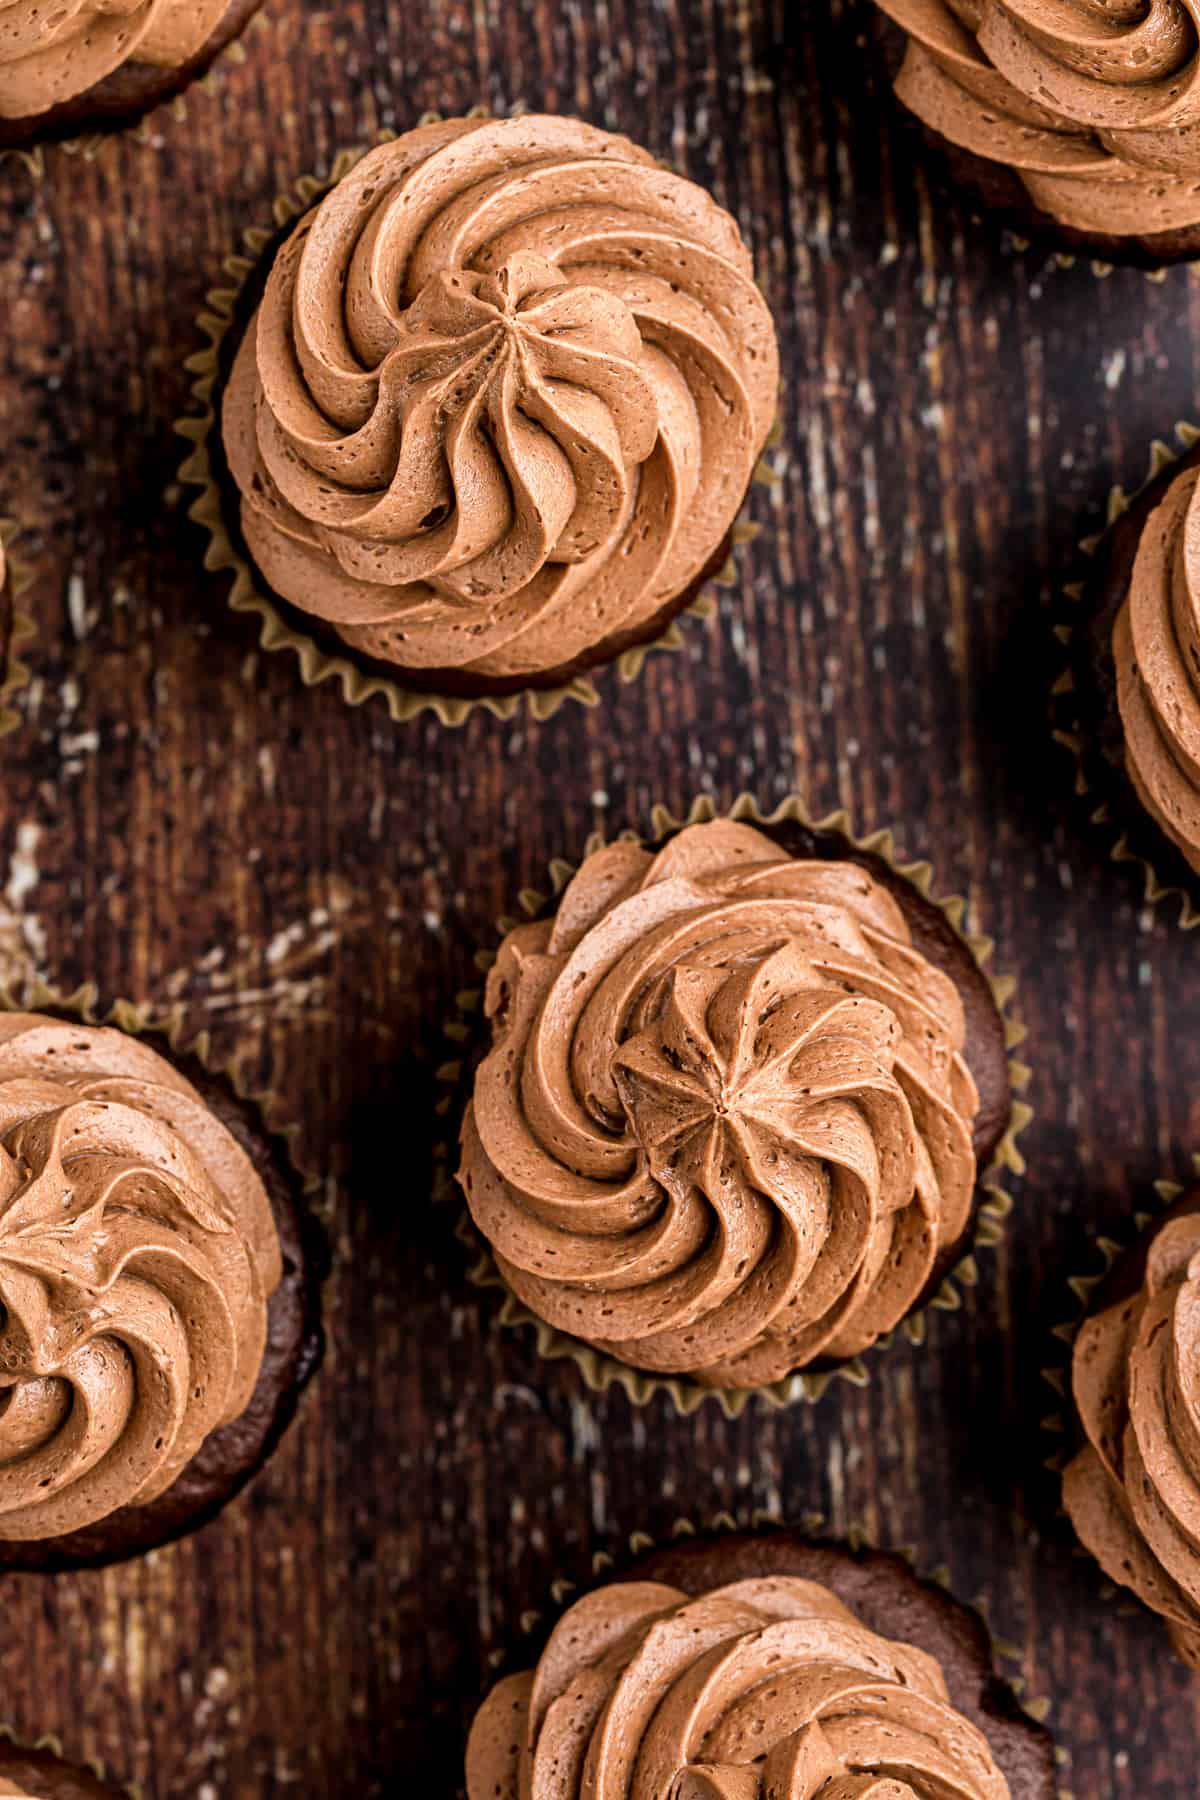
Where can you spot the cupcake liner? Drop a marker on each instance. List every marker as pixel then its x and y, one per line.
pixel 248 594
pixel 142 131
pixel 1006 1658
pixel 15 675
pixel 1109 800
pixel 601 1371
pixel 52 1744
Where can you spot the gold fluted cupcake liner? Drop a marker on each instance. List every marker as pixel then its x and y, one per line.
pixel 1065 259
pixel 146 130
pixel 248 594
pixel 1124 834
pixel 601 1371
pixel 1006 1657
pixel 15 675
pixel 53 1746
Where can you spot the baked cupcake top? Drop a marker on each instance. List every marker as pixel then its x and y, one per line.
pixel 137 1254
pixel 52 53
pixel 1096 106
pixel 767 1687
pixel 1133 1492
pixel 502 399
pixel 725 1127
pixel 1156 652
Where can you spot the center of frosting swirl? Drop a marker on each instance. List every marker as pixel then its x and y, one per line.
pixel 137 1254
pixel 767 1689
pixel 726 1125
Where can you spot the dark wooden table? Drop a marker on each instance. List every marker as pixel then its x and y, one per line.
pixel 181 821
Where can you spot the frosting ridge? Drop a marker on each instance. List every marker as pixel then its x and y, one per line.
pixel 502 399
pixel 137 1255
pixel 766 1689
pixel 1133 1492
pixel 51 54
pixel 725 1125
pixel 1095 105
pixel 1156 652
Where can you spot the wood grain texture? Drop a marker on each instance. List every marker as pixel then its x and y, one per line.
pixel 180 820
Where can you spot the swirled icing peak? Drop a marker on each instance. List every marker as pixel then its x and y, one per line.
pixel 1133 1492
pixel 1095 103
pixel 725 1126
pixel 137 1253
pixel 502 399
pixel 51 53
pixel 768 1689
pixel 1156 652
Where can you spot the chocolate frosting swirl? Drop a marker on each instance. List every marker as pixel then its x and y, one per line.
pixel 51 53
pixel 725 1126
pixel 1156 650
pixel 1133 1492
pixel 1095 103
pixel 767 1689
pixel 137 1253
pixel 502 399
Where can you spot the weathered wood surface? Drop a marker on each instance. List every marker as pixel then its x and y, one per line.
pixel 181 821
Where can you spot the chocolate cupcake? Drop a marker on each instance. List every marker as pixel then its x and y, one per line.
pixel 741 1087
pixel 1133 1490
pixel 42 1774
pixel 488 414
pixel 1079 123
pixel 1129 707
pixel 159 1293
pixel 759 1666
pixel 87 66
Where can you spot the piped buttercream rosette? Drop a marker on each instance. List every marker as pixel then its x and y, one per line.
pixel 725 1127
pixel 764 1689
pixel 1133 1490
pixel 501 402
pixel 137 1255
pixel 1096 106
pixel 53 53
